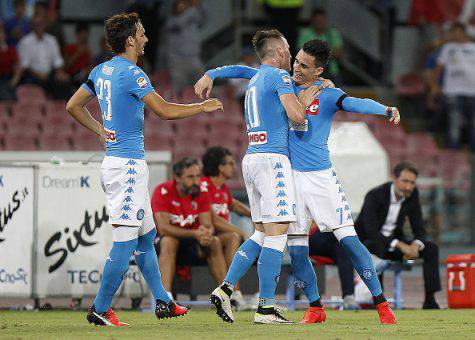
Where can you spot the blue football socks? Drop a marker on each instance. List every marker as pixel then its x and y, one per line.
pixel 114 269
pixel 363 263
pixel 242 261
pixel 268 269
pixel 305 277
pixel 147 261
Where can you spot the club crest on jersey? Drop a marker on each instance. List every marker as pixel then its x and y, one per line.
pixel 312 109
pixel 194 205
pixel 257 138
pixel 142 82
pixel 286 79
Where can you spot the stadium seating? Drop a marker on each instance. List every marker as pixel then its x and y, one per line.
pixel 36 123
pixel 31 94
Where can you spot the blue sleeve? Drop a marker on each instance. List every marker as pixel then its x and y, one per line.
pixel 136 82
pixel 280 82
pixel 91 80
pixel 365 106
pixel 232 71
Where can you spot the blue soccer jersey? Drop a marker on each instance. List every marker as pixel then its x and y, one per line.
pixel 308 142
pixel 119 86
pixel 266 119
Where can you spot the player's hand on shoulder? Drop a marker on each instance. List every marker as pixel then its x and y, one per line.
pixel 393 115
pixel 326 83
pixel 203 86
pixel 307 96
pixel 210 105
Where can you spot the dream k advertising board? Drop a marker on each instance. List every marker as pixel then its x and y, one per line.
pixel 74 236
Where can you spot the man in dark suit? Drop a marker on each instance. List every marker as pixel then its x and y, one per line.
pixel 380 226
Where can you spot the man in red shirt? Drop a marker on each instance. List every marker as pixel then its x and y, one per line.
pixel 182 214
pixel 8 67
pixel 78 56
pixel 218 167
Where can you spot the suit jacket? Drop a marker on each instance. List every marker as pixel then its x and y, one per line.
pixel 373 215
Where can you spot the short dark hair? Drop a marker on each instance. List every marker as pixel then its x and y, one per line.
pixel 318 11
pixel 213 158
pixel 261 39
pixel 183 164
pixel 405 165
pixel 320 50
pixel 118 28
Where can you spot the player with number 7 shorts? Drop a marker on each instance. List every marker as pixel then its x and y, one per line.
pixel 122 89
pixel 269 105
pixel 319 194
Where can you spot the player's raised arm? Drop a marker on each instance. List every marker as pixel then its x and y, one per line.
pixel 172 111
pixel 76 107
pixel 205 84
pixel 369 106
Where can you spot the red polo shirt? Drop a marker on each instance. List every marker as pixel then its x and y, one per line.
pixel 183 211
pixel 220 198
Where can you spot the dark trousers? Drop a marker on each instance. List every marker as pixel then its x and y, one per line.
pixel 430 256
pixel 461 117
pixel 326 244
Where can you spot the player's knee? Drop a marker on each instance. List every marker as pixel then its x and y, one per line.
pixel 215 245
pixel 234 239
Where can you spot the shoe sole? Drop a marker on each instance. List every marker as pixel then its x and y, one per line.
pixel 216 301
pixel 97 320
pixel 259 322
pixel 274 323
pixel 161 317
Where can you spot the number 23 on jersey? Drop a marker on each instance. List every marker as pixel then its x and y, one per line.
pixel 105 85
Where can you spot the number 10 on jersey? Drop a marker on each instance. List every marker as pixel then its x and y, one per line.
pixel 251 107
pixel 105 85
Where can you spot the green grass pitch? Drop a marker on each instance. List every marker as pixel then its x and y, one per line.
pixel 204 324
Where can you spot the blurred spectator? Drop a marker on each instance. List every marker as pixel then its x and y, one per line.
pixel 456 59
pixel 218 167
pixel 380 227
pixel 182 214
pixel 184 42
pixel 104 54
pixel 434 103
pixel 17 26
pixel 149 13
pixel 284 16
pixel 78 55
pixel 41 62
pixel 319 30
pixel 326 245
pixel 53 27
pixel 8 67
pixel 248 58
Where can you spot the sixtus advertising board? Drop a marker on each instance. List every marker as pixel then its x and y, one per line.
pixel 16 230
pixel 74 236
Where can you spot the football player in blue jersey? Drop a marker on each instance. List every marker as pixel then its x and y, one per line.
pixel 320 196
pixel 269 105
pixel 122 88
